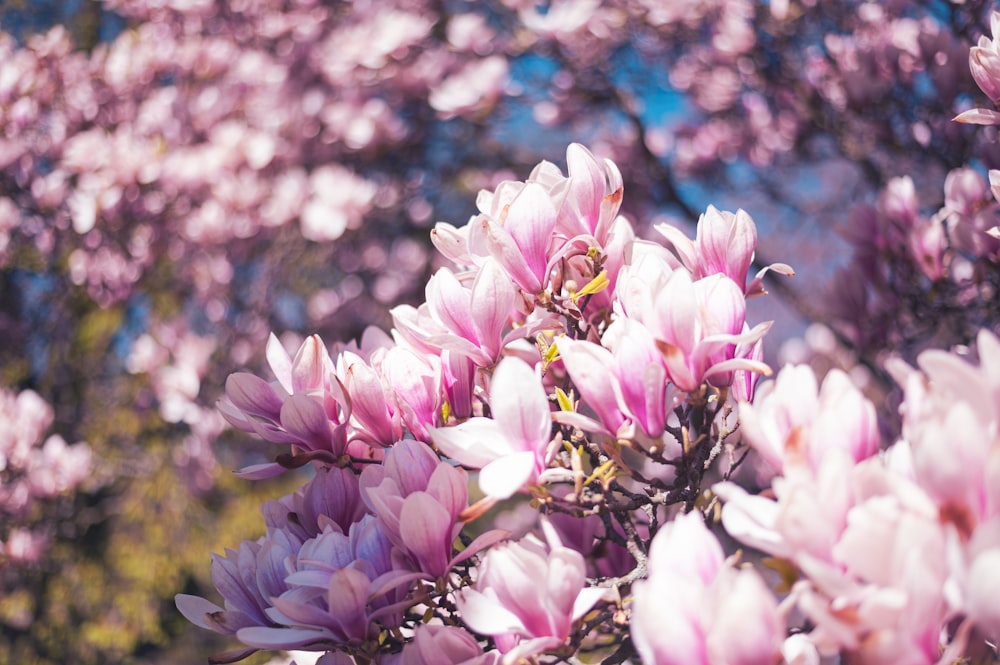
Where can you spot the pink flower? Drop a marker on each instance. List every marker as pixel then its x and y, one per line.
pixel 511 448
pixel 593 195
pixel 693 609
pixel 527 596
pixel 624 385
pixel 304 407
pixel 984 61
pixel 518 236
pixel 375 418
pixel 416 381
pixel 475 319
pixel 418 499
pixel 724 244
pixel 434 644
pixel 792 423
pixel 953 401
pixel 698 325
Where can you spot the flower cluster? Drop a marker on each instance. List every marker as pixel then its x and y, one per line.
pixel 561 359
pixel 887 556
pixel 31 474
pixel 568 362
pixel 603 390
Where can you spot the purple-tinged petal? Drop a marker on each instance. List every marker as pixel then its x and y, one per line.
pixel 253 395
pixel 260 471
pixel 459 382
pixel 199 611
pixel 306 419
pixel 426 528
pixel 233 576
pixel 411 464
pixel 347 600
pixel 263 637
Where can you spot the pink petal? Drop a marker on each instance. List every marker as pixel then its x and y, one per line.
pixel 503 248
pixel 253 395
pixel 280 362
pixel 426 528
pixel 474 443
pixel 493 298
pixel 484 614
pixel 449 303
pixel 503 477
pixel 529 221
pixel 196 610
pixel 263 637
pixel 519 404
pixel 978 117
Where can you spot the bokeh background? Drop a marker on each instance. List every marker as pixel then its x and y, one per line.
pixel 180 178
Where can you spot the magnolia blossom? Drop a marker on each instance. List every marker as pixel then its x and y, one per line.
pixel 418 499
pixel 697 325
pixel 625 385
pixel 443 645
pixel 984 62
pixel 794 423
pixel 511 448
pixel 695 609
pixel 724 244
pixel 527 596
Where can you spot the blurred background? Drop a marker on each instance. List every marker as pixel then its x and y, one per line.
pixel 179 178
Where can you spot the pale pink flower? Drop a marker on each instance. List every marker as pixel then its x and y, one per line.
pixel 527 596
pixel 625 383
pixel 984 61
pixel 511 448
pixel 434 644
pixel 375 417
pixel 593 195
pixel 794 423
pixel 475 318
pixel 953 401
pixel 694 609
pixel 518 235
pixel 416 382
pixel 697 325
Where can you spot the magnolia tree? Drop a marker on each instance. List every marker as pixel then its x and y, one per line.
pixel 180 177
pixel 603 391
